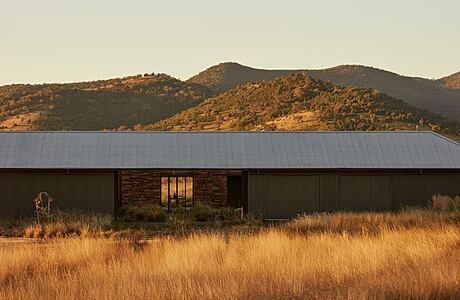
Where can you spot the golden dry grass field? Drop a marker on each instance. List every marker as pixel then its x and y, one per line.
pixel 412 254
pixel 410 263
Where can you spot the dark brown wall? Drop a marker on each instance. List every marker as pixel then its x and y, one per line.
pixel 346 190
pixel 71 190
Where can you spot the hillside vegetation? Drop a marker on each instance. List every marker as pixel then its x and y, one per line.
pixel 299 102
pixel 434 95
pixel 103 104
pixel 452 81
pixel 137 102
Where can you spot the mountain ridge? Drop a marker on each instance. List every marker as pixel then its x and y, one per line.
pixel 424 93
pixel 300 102
pixel 96 105
pixel 452 81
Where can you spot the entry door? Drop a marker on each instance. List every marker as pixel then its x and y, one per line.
pixel 176 192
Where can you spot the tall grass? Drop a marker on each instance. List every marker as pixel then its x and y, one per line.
pixel 274 264
pixel 410 254
pixel 446 204
pixel 443 211
pixel 62 224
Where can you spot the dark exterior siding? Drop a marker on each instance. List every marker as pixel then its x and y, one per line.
pixel 329 190
pixel 84 190
pixel 279 194
pixel 289 195
pixel 363 193
pixel 257 194
pixel 272 194
pixel 417 189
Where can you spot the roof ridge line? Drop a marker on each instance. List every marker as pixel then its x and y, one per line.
pixel 445 138
pixel 227 132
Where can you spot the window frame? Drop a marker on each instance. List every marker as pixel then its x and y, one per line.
pixel 168 176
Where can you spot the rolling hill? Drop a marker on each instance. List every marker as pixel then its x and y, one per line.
pixel 299 102
pixel 96 105
pixel 452 81
pixel 438 96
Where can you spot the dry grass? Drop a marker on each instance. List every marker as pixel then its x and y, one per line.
pixel 63 224
pixel 446 204
pixel 372 223
pixel 273 264
pixel 411 254
pixel 443 211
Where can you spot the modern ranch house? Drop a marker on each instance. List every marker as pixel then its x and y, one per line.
pixel 270 174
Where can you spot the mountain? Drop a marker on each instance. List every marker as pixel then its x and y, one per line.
pixel 423 93
pixel 299 102
pixel 452 81
pixel 96 105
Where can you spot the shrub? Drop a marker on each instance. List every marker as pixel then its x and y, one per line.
pixel 179 223
pixel 203 213
pixel 68 223
pixel 57 229
pixel 33 231
pixel 227 214
pixel 150 213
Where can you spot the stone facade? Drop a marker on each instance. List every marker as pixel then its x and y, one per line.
pixel 210 187
pixel 142 187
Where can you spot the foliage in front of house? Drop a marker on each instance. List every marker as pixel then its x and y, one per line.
pixel 198 213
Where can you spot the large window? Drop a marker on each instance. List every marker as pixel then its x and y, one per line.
pixel 176 192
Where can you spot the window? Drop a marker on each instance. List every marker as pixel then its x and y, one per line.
pixel 176 192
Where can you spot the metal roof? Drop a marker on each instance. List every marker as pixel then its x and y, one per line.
pixel 228 150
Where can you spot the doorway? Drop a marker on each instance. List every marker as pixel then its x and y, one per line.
pixel 235 191
pixel 176 192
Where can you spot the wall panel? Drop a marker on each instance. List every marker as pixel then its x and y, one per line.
pixel 70 190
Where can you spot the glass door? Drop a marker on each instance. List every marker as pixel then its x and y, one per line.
pixel 176 192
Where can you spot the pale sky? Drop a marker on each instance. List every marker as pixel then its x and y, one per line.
pixel 63 41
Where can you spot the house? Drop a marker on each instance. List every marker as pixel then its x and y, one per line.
pixel 272 174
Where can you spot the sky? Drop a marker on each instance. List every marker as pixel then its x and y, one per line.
pixel 65 41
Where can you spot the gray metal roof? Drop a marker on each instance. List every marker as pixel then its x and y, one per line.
pixel 227 150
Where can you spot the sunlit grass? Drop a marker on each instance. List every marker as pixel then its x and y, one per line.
pixel 271 264
pixel 410 254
